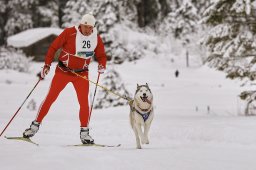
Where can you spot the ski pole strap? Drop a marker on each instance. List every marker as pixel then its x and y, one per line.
pixel 106 89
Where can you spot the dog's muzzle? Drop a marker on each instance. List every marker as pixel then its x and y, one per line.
pixel 145 99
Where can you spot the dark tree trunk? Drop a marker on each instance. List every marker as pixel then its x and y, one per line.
pixel 149 11
pixel 61 6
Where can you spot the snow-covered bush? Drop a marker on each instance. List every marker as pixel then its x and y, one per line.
pixel 113 82
pixel 14 60
pixel 128 44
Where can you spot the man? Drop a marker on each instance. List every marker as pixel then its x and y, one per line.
pixel 78 45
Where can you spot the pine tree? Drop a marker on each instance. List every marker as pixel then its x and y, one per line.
pixel 46 14
pixel 61 7
pixel 201 6
pixel 108 15
pixel 230 42
pixel 113 82
pixel 19 15
pixel 75 9
pixel 182 22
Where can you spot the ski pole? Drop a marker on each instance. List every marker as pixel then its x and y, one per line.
pixel 20 107
pixel 93 97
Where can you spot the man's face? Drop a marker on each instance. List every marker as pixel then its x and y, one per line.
pixel 86 29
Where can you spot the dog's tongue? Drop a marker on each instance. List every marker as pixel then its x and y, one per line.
pixel 148 101
pixel 145 99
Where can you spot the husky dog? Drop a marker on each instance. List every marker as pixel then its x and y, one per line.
pixel 141 113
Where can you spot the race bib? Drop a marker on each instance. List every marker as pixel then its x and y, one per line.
pixel 85 45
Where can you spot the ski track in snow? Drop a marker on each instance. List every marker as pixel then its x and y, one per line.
pixel 181 138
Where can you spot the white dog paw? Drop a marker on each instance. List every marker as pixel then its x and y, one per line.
pixel 143 140
pixel 138 147
pixel 147 141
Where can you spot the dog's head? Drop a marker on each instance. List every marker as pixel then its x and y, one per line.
pixel 143 95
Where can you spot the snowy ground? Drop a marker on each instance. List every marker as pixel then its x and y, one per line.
pixel 185 134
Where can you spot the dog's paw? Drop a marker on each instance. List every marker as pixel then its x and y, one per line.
pixel 147 141
pixel 138 147
pixel 144 140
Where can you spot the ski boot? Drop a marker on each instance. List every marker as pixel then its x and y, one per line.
pixel 85 137
pixel 30 132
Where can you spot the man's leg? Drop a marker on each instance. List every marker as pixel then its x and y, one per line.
pixel 58 83
pixel 82 90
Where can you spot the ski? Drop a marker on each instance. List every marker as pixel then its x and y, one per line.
pixel 96 145
pixel 22 139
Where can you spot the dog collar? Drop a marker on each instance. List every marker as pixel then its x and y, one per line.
pixel 144 115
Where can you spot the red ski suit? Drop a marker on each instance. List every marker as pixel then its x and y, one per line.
pixel 67 42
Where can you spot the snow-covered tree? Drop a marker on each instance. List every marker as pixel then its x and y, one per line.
pixel 108 15
pixel 201 5
pixel 19 15
pixel 230 41
pixel 61 7
pixel 106 99
pixel 46 14
pixel 75 9
pixel 181 22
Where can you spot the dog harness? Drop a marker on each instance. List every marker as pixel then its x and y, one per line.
pixel 145 115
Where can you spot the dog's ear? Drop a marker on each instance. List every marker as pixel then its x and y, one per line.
pixel 138 86
pixel 148 87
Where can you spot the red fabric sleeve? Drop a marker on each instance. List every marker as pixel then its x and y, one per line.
pixel 56 44
pixel 100 53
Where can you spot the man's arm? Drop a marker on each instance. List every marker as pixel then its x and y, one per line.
pixel 100 53
pixel 56 44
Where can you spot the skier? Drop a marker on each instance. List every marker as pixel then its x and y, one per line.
pixel 78 44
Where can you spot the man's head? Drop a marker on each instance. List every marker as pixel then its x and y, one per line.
pixel 87 23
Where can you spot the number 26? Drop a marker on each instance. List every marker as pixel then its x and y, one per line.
pixel 87 44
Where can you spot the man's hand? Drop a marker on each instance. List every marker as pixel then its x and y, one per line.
pixel 101 69
pixel 45 71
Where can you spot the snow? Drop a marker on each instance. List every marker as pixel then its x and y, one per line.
pixel 30 36
pixel 180 137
